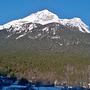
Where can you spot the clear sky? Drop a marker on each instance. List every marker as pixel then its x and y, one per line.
pixel 15 9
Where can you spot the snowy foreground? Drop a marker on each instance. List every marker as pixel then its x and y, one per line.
pixel 11 83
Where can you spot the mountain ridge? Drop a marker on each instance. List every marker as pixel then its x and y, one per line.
pixel 45 17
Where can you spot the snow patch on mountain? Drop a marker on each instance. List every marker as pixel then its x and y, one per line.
pixel 21 36
pixel 76 22
pixel 15 23
pixel 1 27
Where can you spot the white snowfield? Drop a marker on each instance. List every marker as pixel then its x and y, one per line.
pixel 45 17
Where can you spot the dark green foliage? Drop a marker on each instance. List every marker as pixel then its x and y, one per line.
pixel 47 66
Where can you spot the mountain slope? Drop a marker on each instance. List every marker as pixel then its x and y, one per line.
pixel 44 31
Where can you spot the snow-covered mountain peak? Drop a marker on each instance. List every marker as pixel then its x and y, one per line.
pixel 43 17
pixel 46 17
pixel 73 21
pixel 77 19
pixel 76 22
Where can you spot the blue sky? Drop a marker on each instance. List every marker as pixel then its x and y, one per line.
pixel 15 9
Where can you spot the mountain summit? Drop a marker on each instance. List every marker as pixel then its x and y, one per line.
pixel 42 17
pixel 46 17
